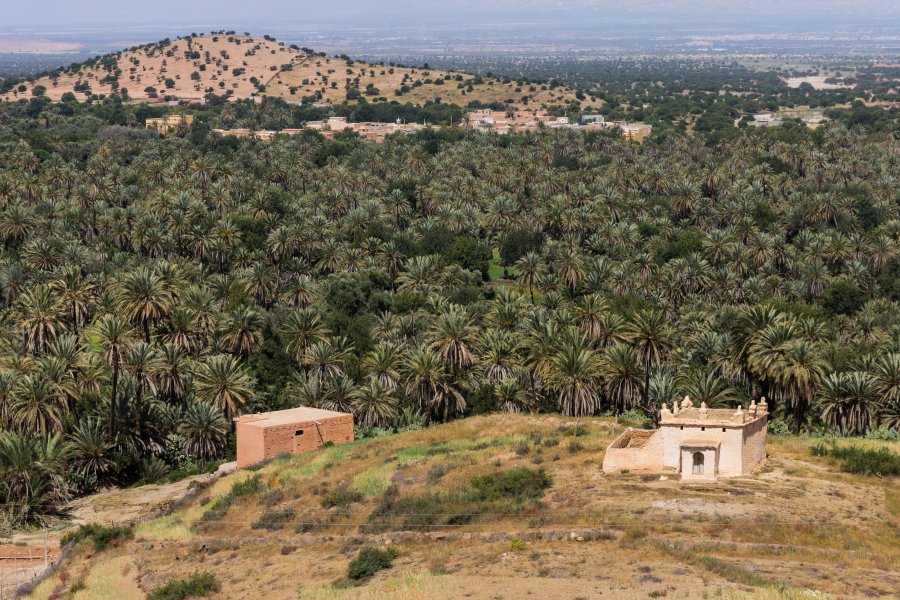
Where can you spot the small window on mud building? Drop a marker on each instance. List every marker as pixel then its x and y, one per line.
pixel 299 432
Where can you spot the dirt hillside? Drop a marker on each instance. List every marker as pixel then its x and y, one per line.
pixel 246 67
pixel 438 497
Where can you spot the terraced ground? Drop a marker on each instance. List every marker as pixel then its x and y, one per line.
pixel 247 66
pixel 472 516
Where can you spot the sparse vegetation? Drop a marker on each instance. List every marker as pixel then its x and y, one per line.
pixel 369 561
pixel 101 536
pixel 881 462
pixel 197 585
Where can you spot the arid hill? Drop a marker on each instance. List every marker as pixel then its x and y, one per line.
pixel 245 66
pixel 513 506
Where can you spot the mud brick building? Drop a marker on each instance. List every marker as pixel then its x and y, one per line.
pixel 266 435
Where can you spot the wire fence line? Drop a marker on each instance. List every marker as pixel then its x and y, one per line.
pixel 18 571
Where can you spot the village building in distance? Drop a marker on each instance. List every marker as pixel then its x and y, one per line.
pixel 500 122
pixel 366 129
pixel 164 125
pixel 485 120
pixel 266 435
pixel 699 443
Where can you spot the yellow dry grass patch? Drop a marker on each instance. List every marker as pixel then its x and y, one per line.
pixel 419 585
pixel 177 526
pixel 46 588
pixel 111 578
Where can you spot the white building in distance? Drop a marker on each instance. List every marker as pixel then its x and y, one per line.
pixel 699 443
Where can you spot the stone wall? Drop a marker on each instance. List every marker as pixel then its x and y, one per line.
pixel 754 452
pixel 623 454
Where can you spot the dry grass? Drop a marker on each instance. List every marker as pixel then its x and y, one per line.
pixel 801 523
pixel 417 585
pixel 111 578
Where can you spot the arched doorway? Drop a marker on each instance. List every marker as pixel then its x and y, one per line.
pixel 697 464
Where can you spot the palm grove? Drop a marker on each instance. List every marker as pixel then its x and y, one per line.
pixel 153 289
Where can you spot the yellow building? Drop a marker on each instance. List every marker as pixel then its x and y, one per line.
pixel 166 124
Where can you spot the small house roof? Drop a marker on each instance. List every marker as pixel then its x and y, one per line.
pixel 301 414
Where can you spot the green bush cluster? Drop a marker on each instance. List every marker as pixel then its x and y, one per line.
pixel 200 583
pixel 273 519
pixel 861 461
pixel 369 561
pixel 102 536
pixel 509 492
pixel 340 496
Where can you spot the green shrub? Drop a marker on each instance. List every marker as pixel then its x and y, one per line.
pixel 519 483
pixel 220 507
pixel 341 496
pixel 861 461
pixel 200 583
pixel 509 492
pixel 369 561
pixel 778 427
pixel 574 430
pixel 517 545
pixel 102 536
pixel 635 418
pixel 883 433
pixel 273 519
pixel 436 472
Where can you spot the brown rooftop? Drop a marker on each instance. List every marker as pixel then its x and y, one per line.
pixel 300 414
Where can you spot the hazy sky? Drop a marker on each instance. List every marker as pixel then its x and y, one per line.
pixel 44 13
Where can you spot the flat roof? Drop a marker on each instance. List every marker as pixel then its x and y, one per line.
pixel 715 417
pixel 301 414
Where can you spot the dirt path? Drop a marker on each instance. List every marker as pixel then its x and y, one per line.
pixel 115 506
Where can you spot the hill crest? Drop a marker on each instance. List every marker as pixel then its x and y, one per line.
pixel 245 66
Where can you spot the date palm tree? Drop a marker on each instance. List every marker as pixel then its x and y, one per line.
pixel 91 451
pixel 622 376
pixel 39 318
pixel 113 334
pixel 427 382
pixel 799 375
pixel 847 401
pixel 451 338
pixel 204 429
pixel 529 269
pixel 707 386
pixel 574 374
pixel 144 299
pixel 374 405
pixel 36 408
pixel 651 339
pixel 32 477
pixel 384 363
pixel 221 381
pixel 301 329
pixel 242 333
pixel 142 362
